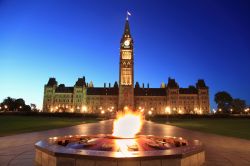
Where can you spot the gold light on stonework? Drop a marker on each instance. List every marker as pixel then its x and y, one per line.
pixel 141 109
pixel 167 110
pixel 126 55
pixel 84 108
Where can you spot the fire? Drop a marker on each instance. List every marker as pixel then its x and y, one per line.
pixel 127 124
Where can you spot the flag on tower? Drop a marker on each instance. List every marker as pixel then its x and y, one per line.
pixel 128 14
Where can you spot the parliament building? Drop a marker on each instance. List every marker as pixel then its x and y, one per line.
pixel 169 98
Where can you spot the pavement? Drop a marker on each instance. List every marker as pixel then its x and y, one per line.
pixel 18 150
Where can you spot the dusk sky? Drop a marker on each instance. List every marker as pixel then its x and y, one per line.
pixel 183 39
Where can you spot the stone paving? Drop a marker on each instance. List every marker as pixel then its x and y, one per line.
pixel 18 150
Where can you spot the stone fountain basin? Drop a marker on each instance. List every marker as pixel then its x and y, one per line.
pixel 48 153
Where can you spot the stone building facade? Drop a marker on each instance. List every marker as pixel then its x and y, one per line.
pixel 169 98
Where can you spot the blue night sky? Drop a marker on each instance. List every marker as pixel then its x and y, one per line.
pixel 67 39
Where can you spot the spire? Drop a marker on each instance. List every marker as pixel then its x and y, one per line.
pixel 127 29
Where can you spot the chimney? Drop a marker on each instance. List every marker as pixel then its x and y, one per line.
pixel 104 85
pixel 109 85
pixel 142 85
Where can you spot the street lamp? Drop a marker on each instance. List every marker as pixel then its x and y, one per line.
pixel 150 112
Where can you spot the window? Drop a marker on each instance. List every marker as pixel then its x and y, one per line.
pixel 126 55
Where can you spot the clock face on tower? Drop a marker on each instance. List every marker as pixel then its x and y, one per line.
pixel 127 42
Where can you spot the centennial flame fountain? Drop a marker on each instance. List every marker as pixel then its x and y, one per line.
pixel 122 148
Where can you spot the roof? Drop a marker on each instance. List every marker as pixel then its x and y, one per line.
pixel 62 89
pixel 52 82
pixel 172 83
pixel 150 92
pixel 127 29
pixel 188 91
pixel 102 91
pixel 80 82
pixel 201 84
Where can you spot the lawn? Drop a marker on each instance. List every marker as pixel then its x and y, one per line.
pixel 10 125
pixel 234 127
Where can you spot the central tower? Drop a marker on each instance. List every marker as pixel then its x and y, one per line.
pixel 126 74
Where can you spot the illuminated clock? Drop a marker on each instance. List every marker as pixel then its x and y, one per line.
pixel 127 42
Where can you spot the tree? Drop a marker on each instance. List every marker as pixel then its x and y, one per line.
pixel 223 100
pixel 11 104
pixel 26 108
pixel 8 104
pixel 238 106
pixel 19 104
pixel 33 107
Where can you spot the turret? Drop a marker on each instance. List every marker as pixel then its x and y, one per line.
pixel 49 92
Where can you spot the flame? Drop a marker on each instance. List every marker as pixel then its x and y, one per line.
pixel 127 124
pixel 123 145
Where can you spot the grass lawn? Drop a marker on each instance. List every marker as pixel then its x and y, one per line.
pixel 234 127
pixel 19 124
